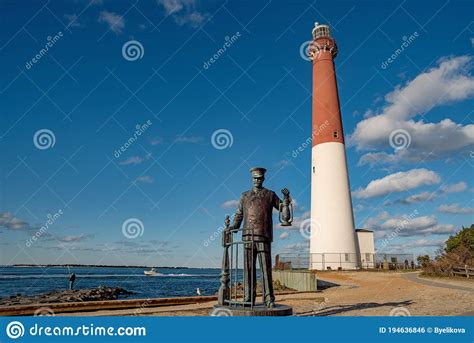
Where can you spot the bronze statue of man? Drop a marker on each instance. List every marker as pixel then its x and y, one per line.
pixel 255 209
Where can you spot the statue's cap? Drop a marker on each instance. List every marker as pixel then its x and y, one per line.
pixel 258 172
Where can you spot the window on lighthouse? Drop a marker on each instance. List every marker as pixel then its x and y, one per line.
pixel 335 134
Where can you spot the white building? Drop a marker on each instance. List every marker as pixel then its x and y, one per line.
pixel 365 241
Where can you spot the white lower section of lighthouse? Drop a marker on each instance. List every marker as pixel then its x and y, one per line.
pixel 333 240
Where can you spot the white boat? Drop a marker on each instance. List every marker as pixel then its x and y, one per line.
pixel 151 272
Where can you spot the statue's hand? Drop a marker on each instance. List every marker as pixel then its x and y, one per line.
pixel 285 192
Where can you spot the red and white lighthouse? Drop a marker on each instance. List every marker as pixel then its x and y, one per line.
pixel 333 239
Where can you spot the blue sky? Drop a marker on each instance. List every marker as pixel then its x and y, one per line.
pixel 88 95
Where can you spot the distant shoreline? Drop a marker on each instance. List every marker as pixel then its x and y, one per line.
pixel 90 265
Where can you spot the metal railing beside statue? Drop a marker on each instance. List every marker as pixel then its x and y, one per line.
pixel 229 292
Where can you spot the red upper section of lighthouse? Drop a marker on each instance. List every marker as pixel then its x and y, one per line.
pixel 327 124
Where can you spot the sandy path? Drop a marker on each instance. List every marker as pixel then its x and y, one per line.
pixel 379 294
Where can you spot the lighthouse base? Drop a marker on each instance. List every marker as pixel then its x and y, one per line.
pixel 334 261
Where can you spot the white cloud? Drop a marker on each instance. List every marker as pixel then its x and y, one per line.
pixel 184 12
pixel 455 209
pixel 429 196
pixel 297 247
pixel 284 235
pixel 188 139
pixel 417 223
pixel 450 81
pixel 389 228
pixel 420 243
pixel 72 20
pixel 71 239
pixel 230 204
pixel 173 6
pixel 156 141
pixel 398 182
pixel 193 19
pixel 135 160
pixel 454 188
pixel 145 179
pixel 420 197
pixel 115 21
pixel 9 221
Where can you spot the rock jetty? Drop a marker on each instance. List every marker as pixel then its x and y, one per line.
pixel 63 296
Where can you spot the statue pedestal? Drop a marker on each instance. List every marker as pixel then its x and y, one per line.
pixel 257 310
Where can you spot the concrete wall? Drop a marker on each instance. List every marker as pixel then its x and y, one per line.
pixel 300 280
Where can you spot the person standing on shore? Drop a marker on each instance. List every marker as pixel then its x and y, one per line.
pixel 72 278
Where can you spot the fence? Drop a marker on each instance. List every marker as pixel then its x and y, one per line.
pixel 463 271
pixel 239 280
pixel 338 261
